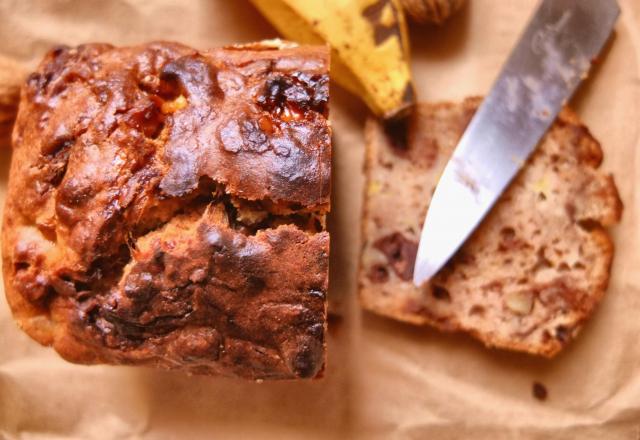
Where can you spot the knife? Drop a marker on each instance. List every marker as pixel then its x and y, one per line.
pixel 550 60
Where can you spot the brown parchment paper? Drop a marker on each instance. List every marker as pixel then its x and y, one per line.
pixel 384 379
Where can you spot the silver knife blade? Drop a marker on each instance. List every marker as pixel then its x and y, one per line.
pixel 548 63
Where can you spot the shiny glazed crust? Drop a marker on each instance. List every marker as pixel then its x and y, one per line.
pixel 166 207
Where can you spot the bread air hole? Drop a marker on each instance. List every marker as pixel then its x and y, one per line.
pixel 542 261
pixel 508 233
pixel 507 239
pixel 440 293
pixel 563 333
pixel 378 273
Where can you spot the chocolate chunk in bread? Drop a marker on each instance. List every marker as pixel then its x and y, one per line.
pixel 535 269
pixel 166 207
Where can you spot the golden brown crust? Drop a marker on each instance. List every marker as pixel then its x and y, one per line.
pixel 534 270
pixel 166 207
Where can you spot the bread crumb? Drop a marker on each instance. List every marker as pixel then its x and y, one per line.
pixel 539 391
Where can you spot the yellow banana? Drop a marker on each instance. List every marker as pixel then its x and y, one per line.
pixel 368 40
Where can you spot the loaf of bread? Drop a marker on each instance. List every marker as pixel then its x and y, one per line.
pixel 166 207
pixel 535 269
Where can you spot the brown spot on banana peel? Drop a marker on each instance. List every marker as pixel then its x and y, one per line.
pixel 404 109
pixel 383 27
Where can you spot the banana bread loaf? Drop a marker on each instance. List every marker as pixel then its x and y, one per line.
pixel 166 207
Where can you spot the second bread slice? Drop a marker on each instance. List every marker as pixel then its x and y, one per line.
pixel 534 270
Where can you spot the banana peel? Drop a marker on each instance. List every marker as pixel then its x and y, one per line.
pixel 369 45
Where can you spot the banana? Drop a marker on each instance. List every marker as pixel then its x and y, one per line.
pixel 368 40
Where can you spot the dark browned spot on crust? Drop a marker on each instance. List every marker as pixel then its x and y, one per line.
pixel 298 92
pixel 20 266
pixel 400 253
pixel 147 119
pixel 539 391
pixel 192 76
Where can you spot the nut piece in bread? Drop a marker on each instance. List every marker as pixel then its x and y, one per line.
pixel 166 208
pixel 535 269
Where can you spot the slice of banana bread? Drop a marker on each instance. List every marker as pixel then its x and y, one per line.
pixel 534 270
pixel 166 207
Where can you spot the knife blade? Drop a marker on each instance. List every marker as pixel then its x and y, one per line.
pixel 548 63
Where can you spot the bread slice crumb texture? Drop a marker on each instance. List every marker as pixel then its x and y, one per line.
pixel 537 266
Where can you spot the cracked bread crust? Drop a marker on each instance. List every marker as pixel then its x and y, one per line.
pixel 166 207
pixel 534 270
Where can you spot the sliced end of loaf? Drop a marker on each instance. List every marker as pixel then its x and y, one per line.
pixel 534 270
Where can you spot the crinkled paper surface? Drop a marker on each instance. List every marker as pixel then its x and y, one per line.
pixel 384 379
